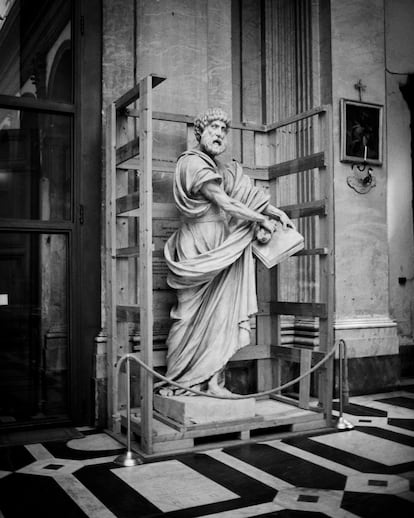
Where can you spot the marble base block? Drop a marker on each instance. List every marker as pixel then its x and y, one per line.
pixel 190 410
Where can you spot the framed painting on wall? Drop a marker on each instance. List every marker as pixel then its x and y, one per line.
pixel 361 132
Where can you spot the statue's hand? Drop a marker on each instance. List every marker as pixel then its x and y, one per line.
pixel 285 220
pixel 268 225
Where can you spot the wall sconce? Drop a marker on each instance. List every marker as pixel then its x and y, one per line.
pixel 362 180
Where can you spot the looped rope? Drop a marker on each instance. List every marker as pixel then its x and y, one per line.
pixel 234 396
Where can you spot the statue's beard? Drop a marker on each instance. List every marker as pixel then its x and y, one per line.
pixel 213 145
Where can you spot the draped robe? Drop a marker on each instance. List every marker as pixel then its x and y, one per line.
pixel 211 268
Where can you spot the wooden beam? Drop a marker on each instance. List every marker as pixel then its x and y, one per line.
pixel 164 116
pixel 297 165
pixel 302 210
pixel 127 151
pixel 304 384
pixel 133 94
pixel 133 251
pixel 110 281
pixel 248 126
pixel 189 119
pixel 293 354
pixel 256 173
pixel 127 251
pixel 312 251
pixel 144 285
pixel 127 313
pixel 250 352
pixel 305 309
pixel 296 118
pixel 127 203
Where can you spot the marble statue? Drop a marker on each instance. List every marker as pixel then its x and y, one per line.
pixel 210 261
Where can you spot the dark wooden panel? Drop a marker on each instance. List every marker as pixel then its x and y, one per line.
pixel 297 165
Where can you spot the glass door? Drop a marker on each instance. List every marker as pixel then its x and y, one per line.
pixel 38 197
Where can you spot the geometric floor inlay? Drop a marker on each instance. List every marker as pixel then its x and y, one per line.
pixel 95 442
pixel 364 472
pixel 172 486
pixel 52 467
pixel 372 483
pixel 308 499
pixel 377 449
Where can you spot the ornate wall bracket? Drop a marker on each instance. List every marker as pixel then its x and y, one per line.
pixel 362 180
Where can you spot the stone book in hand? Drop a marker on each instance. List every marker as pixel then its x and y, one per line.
pixel 281 245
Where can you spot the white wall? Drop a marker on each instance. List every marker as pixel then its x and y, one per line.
pixel 399 16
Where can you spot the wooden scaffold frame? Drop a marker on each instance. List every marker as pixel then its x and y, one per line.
pixel 131 149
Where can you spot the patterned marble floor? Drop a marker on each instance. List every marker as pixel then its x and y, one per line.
pixel 367 471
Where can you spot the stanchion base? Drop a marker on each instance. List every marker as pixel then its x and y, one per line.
pixel 343 424
pixel 128 459
pixel 348 425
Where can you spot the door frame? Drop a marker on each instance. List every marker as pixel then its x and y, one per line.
pixel 84 229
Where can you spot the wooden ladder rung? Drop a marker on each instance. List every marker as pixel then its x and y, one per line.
pixel 133 251
pixel 127 312
pixel 312 251
pixel 128 154
pixel 163 301
pixel 256 173
pixel 127 251
pixel 307 309
pixel 127 203
pixel 134 93
pixel 292 353
pixel 305 163
pixel 302 210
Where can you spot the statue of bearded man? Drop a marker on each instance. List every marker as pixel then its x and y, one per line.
pixel 210 260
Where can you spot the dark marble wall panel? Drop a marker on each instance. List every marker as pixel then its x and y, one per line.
pixel 373 374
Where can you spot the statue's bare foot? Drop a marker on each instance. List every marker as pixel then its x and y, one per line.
pixel 215 390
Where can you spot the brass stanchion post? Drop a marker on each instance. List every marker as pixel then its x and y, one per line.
pixel 128 458
pixel 342 423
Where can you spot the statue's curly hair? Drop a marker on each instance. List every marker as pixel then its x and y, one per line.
pixel 210 115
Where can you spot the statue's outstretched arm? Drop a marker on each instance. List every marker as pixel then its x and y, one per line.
pixel 215 193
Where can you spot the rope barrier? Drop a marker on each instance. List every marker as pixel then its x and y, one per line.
pixel 234 396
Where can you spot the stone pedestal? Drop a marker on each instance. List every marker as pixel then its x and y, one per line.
pixel 188 410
